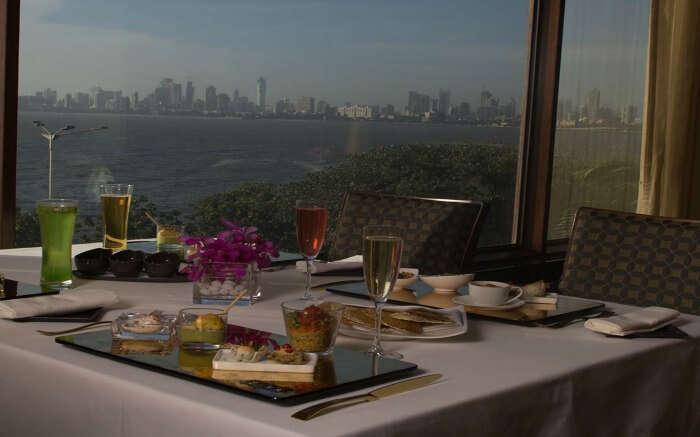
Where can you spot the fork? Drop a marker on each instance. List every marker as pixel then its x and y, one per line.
pixel 79 328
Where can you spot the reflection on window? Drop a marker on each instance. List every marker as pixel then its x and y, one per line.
pixel 234 110
pixel 599 113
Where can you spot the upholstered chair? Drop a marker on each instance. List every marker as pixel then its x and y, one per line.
pixel 634 259
pixel 439 234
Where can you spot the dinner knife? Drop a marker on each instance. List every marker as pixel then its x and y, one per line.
pixel 374 395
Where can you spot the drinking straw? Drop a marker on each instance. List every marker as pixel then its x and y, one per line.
pixel 152 219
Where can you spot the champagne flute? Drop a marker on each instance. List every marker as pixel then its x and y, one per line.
pixel 311 233
pixel 381 257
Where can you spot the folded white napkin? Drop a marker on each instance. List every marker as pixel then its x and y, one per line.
pixel 71 301
pixel 354 262
pixel 645 320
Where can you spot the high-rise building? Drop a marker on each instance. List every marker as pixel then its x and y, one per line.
pixel 322 107
pixel 261 94
pixel 444 102
pixel 464 109
pixel 489 106
pixel 593 103
pixel 176 94
pixel 102 97
pixel 210 99
pixel 189 95
pixel 306 105
pixel 81 101
pixel 628 114
pixel 68 101
pixel 418 104
pixel 135 100
pixel 162 96
pixel 488 100
pixel 93 92
pixel 169 94
pixel 50 96
pixel 222 103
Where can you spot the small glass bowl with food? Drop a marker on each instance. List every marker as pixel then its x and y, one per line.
pixel 201 328
pixel 155 325
pixel 312 324
pixel 405 278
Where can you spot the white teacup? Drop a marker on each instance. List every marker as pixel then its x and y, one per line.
pixel 493 293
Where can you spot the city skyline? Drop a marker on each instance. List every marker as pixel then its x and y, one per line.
pixel 339 53
pixel 168 98
pixel 440 98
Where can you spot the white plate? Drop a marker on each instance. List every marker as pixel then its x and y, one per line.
pixel 221 363
pixel 429 332
pixel 464 300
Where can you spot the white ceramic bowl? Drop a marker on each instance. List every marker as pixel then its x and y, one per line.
pixel 447 282
pixel 403 283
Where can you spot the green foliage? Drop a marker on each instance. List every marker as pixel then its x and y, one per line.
pixel 27 229
pixel 475 172
pixel 458 171
pixel 611 184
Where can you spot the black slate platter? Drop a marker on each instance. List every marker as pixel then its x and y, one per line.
pixel 345 370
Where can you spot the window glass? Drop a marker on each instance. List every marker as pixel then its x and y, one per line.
pixel 219 109
pixel 599 112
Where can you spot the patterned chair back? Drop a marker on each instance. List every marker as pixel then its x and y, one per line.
pixel 634 259
pixel 439 234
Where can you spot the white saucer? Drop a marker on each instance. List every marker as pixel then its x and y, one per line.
pixel 465 300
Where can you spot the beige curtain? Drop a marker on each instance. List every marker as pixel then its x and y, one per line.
pixel 669 182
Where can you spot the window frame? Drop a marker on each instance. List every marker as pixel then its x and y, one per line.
pixel 533 183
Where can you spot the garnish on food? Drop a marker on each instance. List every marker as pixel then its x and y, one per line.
pixel 287 355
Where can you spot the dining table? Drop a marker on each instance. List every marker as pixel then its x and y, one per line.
pixel 499 379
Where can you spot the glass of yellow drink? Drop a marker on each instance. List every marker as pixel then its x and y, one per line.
pixel 116 199
pixel 167 239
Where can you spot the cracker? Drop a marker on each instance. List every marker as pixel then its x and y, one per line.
pixel 402 325
pixel 359 316
pixel 365 317
pixel 423 316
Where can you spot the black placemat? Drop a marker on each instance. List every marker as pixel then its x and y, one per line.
pixel 12 289
pixel 344 371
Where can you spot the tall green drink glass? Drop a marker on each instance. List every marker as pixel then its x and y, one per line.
pixel 57 223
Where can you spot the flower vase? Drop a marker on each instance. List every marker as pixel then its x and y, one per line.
pixel 221 282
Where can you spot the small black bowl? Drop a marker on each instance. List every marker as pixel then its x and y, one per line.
pixel 127 263
pixel 162 264
pixel 93 262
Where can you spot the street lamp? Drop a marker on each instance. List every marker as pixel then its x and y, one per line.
pixel 52 136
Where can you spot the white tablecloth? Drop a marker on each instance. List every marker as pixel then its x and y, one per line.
pixel 499 380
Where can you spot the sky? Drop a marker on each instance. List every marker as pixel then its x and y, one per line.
pixel 368 52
